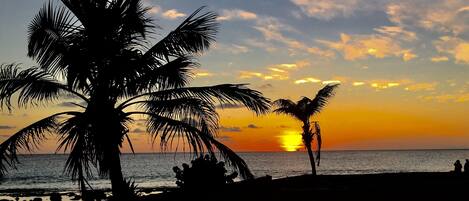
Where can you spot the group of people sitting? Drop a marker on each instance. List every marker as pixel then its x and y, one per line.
pixel 458 166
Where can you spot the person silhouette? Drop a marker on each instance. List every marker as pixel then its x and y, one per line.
pixel 457 166
pixel 466 166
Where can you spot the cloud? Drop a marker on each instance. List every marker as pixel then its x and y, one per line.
pixel 70 104
pixel 275 71
pixel 230 106
pixel 230 129
pixel 154 10
pixel 328 9
pixel 253 126
pixel 236 14
pixel 356 84
pixel 326 82
pixel 231 48
pixel 443 98
pixel 422 87
pixel 203 73
pixel 307 80
pixel 5 127
pixel 266 86
pixel 272 30
pixel 397 31
pixel 138 130
pixel 173 14
pixel 320 52
pixel 268 47
pixel 456 47
pixel 224 138
pixel 355 47
pixel 440 16
pixel 439 58
pixel 386 84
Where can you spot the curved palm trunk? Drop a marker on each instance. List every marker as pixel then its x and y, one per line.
pixel 311 159
pixel 307 139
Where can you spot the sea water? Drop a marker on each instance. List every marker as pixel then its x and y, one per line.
pixel 155 169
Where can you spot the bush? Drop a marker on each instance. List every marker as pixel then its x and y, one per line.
pixel 205 171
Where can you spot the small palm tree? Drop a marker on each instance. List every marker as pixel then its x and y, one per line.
pixel 97 51
pixel 303 110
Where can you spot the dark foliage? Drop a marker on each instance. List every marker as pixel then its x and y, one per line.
pixel 204 172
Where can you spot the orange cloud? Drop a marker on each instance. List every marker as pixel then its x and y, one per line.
pixel 362 46
pixel 173 14
pixel 236 14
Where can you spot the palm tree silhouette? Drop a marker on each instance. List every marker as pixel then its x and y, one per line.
pixel 303 110
pixel 98 52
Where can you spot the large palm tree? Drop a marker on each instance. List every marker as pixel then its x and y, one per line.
pixel 304 110
pixel 98 52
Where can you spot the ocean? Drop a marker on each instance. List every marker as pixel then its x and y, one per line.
pixel 155 169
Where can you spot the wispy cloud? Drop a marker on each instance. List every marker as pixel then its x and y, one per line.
pixel 439 58
pixel 422 87
pixel 231 48
pixel 329 9
pixel 236 14
pixel 275 72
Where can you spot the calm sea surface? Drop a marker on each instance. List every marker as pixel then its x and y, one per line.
pixel 153 170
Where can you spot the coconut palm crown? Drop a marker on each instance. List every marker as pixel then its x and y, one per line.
pixel 99 53
pixel 303 111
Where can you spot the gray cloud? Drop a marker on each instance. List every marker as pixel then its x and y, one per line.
pixel 229 106
pixel 70 104
pixel 253 126
pixel 266 86
pixel 224 138
pixel 230 129
pixel 137 130
pixel 6 127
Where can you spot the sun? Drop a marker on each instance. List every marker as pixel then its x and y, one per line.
pixel 291 140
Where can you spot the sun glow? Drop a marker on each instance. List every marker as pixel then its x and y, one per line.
pixel 291 140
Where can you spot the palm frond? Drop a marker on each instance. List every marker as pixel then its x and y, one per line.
pixel 173 74
pixel 33 85
pixel 48 33
pixel 27 139
pixel 233 159
pixel 185 108
pixel 321 99
pixel 198 140
pixel 225 94
pixel 194 35
pixel 288 107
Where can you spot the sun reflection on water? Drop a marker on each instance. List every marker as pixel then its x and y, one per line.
pixel 291 140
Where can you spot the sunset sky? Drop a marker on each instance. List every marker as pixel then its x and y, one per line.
pixel 403 68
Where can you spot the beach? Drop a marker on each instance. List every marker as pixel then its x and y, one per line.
pixel 386 186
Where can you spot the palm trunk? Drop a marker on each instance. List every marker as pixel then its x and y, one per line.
pixel 311 159
pixel 119 190
pixel 307 139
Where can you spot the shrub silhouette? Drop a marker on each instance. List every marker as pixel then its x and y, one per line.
pixel 205 171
